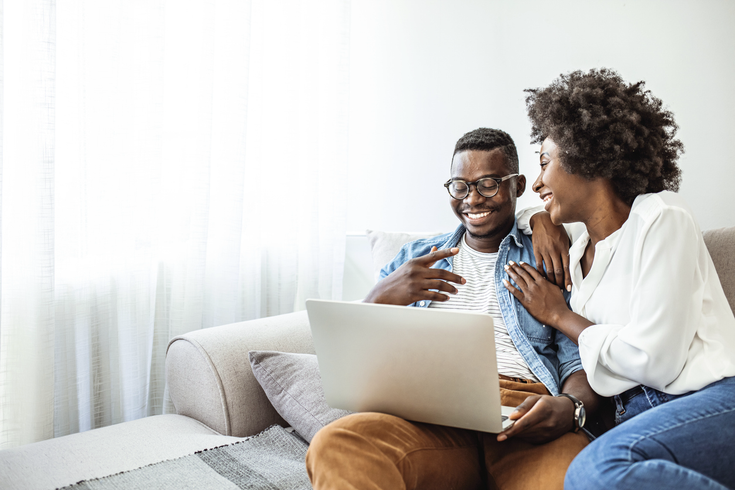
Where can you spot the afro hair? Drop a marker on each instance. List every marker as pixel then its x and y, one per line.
pixel 607 128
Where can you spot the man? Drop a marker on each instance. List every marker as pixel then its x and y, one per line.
pixel 465 270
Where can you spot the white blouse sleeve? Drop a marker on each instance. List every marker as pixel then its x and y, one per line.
pixel 666 292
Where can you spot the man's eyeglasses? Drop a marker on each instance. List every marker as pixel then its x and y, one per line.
pixel 487 187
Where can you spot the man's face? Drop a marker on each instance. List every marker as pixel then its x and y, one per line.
pixel 487 219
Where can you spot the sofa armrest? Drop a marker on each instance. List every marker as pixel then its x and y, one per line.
pixel 209 377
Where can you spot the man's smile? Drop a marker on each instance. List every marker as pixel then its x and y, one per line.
pixel 478 215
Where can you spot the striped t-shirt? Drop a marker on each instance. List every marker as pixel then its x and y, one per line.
pixel 479 295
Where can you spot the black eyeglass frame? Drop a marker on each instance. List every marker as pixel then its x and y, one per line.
pixel 498 181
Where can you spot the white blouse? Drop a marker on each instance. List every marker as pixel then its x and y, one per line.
pixel 661 316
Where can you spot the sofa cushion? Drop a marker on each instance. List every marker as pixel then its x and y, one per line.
pixel 293 385
pixel 721 245
pixel 384 246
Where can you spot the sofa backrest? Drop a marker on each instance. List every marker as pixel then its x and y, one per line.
pixel 721 245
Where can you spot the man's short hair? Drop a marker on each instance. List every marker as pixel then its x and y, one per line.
pixel 487 139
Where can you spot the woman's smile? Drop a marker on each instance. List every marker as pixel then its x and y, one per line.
pixel 546 197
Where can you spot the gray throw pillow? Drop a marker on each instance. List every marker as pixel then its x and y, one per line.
pixel 294 387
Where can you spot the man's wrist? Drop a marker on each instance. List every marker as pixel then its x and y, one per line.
pixel 579 414
pixel 375 295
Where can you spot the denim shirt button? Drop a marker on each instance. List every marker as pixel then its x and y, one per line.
pixel 421 304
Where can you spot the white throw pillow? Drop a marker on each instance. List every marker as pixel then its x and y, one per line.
pixel 385 246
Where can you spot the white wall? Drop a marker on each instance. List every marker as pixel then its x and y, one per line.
pixel 424 72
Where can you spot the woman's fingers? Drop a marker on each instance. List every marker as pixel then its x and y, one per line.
pixel 539 260
pixel 558 270
pixel 563 278
pixel 524 276
pixel 523 272
pixel 512 271
pixel 513 290
pixel 542 299
pixel 567 273
pixel 530 272
pixel 548 265
pixel 520 281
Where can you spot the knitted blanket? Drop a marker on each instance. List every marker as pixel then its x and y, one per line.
pixel 273 460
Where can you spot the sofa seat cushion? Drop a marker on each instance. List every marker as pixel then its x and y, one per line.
pixel 106 451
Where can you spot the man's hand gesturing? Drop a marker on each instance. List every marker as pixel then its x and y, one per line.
pixel 413 280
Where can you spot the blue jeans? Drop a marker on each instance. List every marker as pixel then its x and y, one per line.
pixel 663 441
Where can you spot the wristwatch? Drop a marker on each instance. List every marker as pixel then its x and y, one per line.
pixel 580 414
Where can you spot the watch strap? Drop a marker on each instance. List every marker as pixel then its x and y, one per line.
pixel 578 406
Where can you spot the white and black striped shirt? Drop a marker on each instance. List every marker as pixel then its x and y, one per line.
pixel 479 295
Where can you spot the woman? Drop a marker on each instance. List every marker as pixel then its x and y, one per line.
pixel 654 328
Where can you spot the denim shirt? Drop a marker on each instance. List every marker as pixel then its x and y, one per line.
pixel 550 355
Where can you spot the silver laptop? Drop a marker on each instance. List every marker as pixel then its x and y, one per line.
pixel 421 364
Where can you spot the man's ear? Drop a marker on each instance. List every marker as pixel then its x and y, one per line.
pixel 520 185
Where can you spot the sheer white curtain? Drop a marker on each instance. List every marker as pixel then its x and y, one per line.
pixel 166 166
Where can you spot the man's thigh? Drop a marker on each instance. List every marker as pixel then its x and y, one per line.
pixel 382 451
pixel 517 465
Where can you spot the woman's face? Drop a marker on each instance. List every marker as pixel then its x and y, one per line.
pixel 564 194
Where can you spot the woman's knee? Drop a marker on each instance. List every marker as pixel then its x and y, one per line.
pixel 606 460
pixel 577 477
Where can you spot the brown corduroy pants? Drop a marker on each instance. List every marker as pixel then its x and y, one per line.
pixel 379 451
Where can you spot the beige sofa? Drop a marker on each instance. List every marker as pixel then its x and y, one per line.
pixel 217 399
